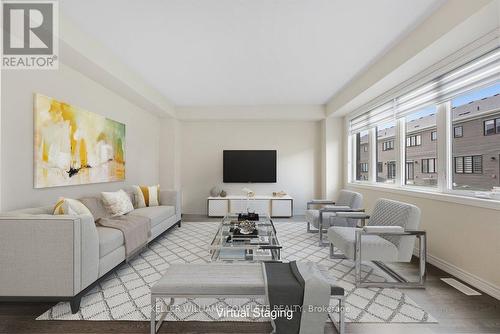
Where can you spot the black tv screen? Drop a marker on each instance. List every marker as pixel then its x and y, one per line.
pixel 249 166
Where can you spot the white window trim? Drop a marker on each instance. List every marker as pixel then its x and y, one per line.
pixel 432 194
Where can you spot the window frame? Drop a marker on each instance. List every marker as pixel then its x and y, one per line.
pixel 414 140
pixel 484 127
pixel 388 145
pixel 391 170
pixel 425 162
pixel 434 135
pixel 472 169
pixel 455 128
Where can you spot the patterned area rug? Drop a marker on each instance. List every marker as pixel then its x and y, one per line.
pixel 124 295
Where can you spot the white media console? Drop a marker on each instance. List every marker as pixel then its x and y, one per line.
pixel 273 206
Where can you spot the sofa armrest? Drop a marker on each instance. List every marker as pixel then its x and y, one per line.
pixel 171 197
pixel 46 255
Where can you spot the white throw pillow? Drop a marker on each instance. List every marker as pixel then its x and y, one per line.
pixel 68 206
pixel 117 203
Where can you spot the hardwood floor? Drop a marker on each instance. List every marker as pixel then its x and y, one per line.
pixel 455 312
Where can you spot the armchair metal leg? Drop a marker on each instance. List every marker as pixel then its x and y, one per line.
pixel 357 259
pixel 336 256
pixel 401 282
pixel 309 230
pixel 321 231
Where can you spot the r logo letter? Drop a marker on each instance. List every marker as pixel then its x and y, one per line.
pixel 27 29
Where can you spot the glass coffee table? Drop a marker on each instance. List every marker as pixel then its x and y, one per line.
pixel 230 244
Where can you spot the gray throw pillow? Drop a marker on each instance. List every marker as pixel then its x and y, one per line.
pixel 96 207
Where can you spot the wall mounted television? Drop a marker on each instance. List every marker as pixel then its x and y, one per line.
pixel 249 166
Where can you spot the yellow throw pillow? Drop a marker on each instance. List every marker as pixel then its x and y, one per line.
pixel 68 206
pixel 147 196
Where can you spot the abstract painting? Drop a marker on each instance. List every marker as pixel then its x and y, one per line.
pixel 74 146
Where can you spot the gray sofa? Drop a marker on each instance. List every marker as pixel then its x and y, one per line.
pixel 61 257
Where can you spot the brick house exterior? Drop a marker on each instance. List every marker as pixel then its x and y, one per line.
pixel 475 148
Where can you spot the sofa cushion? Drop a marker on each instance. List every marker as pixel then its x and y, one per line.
pixel 109 240
pixel 156 214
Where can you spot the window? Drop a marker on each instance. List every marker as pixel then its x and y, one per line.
pixel 492 126
pixel 470 141
pixel 459 165
pixel 469 164
pixel 386 133
pixel 415 140
pixel 476 161
pixel 420 169
pixel 391 170
pixel 477 164
pixel 489 127
pixel 429 165
pixel 434 135
pixel 410 175
pixel 388 145
pixel 362 155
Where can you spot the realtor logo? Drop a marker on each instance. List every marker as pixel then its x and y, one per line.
pixel 30 38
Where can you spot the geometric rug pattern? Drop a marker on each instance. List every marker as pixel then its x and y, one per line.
pixel 125 294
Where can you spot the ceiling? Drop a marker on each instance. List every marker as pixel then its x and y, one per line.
pixel 248 52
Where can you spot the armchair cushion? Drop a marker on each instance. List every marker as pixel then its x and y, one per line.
pixel 349 198
pixel 373 247
pixel 393 213
pixel 329 219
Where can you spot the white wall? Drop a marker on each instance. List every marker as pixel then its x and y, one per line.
pixel 170 154
pixel 66 84
pixel 299 157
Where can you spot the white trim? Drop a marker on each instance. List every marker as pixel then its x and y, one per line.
pixel 372 156
pixel 429 194
pixel 477 282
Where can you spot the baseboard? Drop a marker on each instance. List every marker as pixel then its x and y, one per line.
pixel 475 281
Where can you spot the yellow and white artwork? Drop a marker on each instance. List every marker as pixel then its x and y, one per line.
pixel 74 146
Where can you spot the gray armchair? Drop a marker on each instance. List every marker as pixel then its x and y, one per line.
pixel 389 236
pixel 325 215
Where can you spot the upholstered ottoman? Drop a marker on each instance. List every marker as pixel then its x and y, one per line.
pixel 218 280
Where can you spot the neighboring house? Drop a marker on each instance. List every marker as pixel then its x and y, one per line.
pixel 475 148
